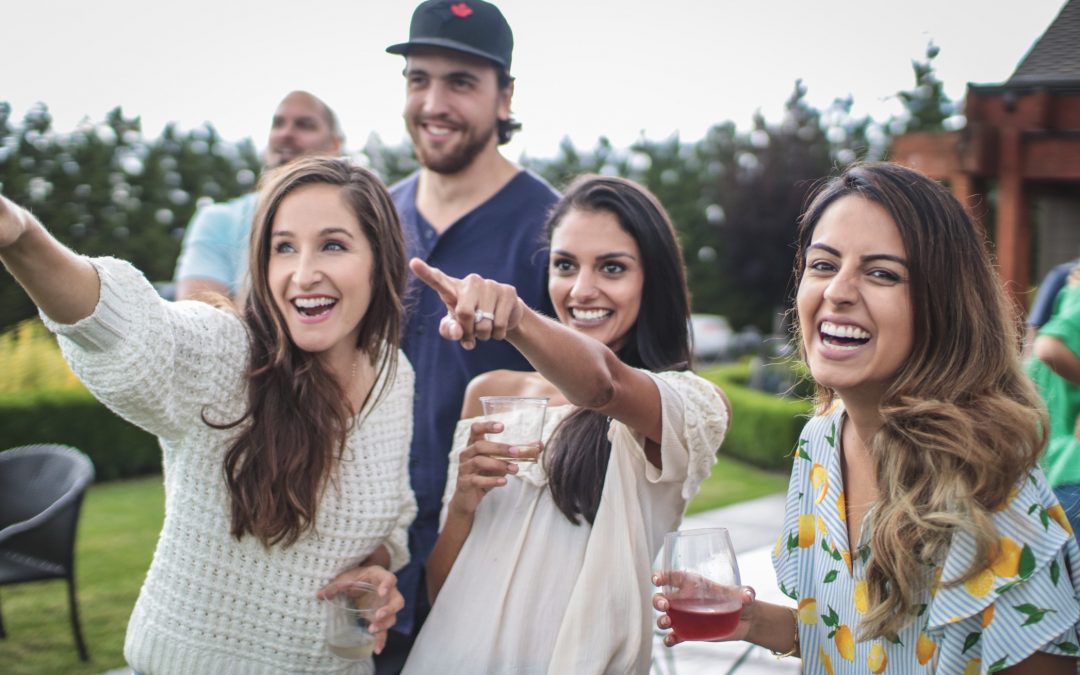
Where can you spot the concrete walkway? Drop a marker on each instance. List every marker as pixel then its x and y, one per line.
pixel 754 526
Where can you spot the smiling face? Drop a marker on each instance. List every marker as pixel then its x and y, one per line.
pixel 452 107
pixel 596 276
pixel 854 301
pixel 301 126
pixel 319 271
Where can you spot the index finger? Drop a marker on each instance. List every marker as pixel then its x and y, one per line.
pixel 443 284
pixel 479 430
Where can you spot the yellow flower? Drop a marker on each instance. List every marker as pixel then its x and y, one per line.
pixel 862 597
pixel 878 659
pixel 841 508
pixel 846 555
pixel 973 667
pixel 987 615
pixel 826 662
pixel 820 480
pixel 845 642
pixel 924 649
pixel 808 610
pixel 980 584
pixel 1006 562
pixel 806 531
pixel 1058 514
pixel 821 525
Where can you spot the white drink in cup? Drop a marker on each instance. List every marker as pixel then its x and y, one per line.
pixel 522 418
pixel 349 613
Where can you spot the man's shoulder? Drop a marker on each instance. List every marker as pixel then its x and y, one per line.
pixel 406 185
pixel 534 186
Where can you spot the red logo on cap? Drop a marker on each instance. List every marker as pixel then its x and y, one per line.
pixel 461 10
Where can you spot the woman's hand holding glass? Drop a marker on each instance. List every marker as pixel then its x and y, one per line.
pixel 704 587
pixel 476 308
pixel 483 466
pixel 385 583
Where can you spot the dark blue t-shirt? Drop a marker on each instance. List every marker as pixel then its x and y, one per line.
pixel 502 239
pixel 1043 306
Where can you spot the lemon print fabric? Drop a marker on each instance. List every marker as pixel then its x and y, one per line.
pixel 1022 598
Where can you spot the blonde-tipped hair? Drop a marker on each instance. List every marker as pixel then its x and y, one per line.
pixel 961 423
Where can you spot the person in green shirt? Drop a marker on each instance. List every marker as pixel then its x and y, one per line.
pixel 1055 369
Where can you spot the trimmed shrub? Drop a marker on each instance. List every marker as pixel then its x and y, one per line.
pixel 74 417
pixel 765 428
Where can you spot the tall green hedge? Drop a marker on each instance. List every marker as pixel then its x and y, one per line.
pixel 765 427
pixel 117 448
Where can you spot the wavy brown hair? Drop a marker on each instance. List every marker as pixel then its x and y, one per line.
pixel 961 423
pixel 576 458
pixel 298 417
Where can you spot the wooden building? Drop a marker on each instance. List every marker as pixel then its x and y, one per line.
pixel 1016 163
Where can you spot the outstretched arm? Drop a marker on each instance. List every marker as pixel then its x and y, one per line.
pixel 62 284
pixel 1052 351
pixel 587 373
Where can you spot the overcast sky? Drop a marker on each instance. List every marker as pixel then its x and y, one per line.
pixel 584 68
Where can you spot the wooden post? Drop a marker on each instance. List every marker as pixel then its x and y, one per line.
pixel 1013 225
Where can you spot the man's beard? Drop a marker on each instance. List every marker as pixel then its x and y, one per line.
pixel 453 161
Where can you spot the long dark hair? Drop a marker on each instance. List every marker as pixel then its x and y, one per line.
pixel 576 458
pixel 961 423
pixel 298 414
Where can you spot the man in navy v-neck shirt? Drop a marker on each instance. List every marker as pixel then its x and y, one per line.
pixel 468 209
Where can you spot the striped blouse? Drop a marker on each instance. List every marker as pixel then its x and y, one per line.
pixel 1028 599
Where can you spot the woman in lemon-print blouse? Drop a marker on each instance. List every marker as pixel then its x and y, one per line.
pixel 920 535
pixel 1023 600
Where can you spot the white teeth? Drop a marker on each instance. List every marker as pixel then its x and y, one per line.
pixel 438 131
pixel 309 303
pixel 846 331
pixel 589 314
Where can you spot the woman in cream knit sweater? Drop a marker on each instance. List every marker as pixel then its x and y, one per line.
pixel 284 429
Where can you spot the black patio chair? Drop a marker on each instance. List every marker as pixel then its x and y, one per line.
pixel 41 491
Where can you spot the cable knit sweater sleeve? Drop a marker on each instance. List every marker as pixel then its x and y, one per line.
pixel 158 364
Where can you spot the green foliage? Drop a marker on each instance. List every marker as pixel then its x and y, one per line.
pixel 734 197
pixel 927 106
pixel 31 361
pixel 118 529
pixel 75 418
pixel 765 428
pixel 391 163
pixel 732 481
pixel 103 189
pixel 41 401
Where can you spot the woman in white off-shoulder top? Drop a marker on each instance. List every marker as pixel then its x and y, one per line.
pixel 544 567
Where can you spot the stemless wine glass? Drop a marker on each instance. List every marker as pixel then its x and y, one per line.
pixel 522 418
pixel 702 583
pixel 349 612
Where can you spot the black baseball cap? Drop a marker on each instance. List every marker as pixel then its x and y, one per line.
pixel 469 26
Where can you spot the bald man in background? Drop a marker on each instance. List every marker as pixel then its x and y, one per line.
pixel 213 256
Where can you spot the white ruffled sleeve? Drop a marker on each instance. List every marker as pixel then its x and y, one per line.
pixel 694 423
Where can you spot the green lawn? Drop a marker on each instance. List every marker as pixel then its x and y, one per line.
pixel 118 530
pixel 731 482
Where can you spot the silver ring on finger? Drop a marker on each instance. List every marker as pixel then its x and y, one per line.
pixel 481 315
